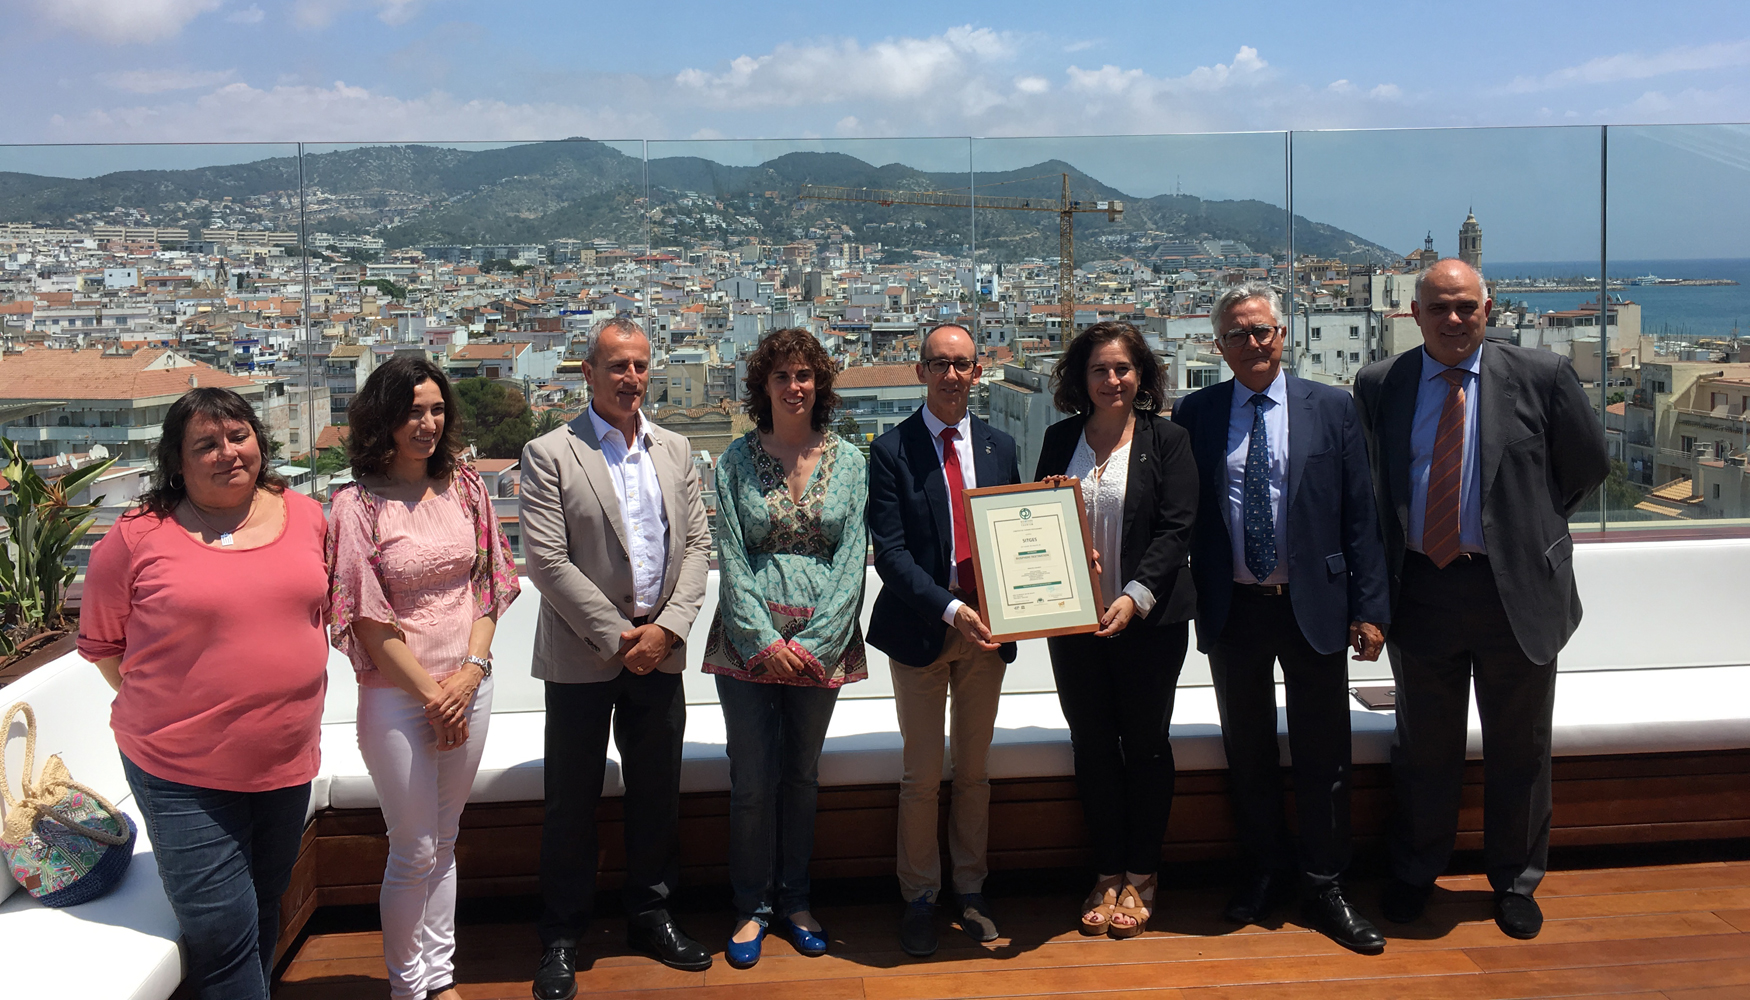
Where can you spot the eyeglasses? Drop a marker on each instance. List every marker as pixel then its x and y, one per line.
pixel 1465 310
pixel 1260 333
pixel 939 366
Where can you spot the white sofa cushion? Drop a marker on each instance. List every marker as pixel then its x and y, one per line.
pixel 130 934
pixel 510 767
pixel 71 702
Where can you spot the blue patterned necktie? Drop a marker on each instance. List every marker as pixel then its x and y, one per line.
pixel 1259 521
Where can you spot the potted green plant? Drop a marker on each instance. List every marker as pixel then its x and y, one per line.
pixel 43 529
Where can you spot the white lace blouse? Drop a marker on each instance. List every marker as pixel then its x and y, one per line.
pixel 1103 487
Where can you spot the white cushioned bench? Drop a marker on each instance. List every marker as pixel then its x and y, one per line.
pixel 1631 681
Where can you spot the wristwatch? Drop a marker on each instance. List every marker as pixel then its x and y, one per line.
pixel 483 663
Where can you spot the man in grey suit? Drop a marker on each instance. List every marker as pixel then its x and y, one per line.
pixel 1480 453
pixel 616 539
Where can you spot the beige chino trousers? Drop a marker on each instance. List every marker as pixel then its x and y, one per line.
pixel 969 680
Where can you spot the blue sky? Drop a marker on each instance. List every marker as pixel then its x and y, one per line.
pixel 182 71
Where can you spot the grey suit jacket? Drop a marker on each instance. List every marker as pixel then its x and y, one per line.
pixel 575 551
pixel 1542 453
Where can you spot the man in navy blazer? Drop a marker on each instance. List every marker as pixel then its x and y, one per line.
pixel 926 620
pixel 1290 569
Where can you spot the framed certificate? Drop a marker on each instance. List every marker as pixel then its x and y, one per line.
pixel 1030 546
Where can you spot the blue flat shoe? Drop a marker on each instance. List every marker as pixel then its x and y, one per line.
pixel 808 943
pixel 744 954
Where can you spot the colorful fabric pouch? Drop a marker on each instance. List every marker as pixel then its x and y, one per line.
pixel 63 842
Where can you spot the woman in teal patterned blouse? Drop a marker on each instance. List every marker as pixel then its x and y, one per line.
pixel 791 550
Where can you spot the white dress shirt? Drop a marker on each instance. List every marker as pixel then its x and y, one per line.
pixel 641 509
pixel 1239 445
pixel 968 478
pixel 1103 498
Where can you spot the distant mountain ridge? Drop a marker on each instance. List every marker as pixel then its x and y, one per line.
pixel 536 192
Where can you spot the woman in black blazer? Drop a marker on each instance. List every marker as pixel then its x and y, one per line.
pixel 1139 487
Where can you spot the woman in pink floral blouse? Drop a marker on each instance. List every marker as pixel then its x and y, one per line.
pixel 419 572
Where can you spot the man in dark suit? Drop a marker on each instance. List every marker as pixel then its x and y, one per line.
pixel 1480 453
pixel 926 621
pixel 1289 569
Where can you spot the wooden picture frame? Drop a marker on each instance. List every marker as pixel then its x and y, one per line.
pixel 1029 593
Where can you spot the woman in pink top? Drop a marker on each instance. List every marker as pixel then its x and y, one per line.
pixel 420 573
pixel 203 609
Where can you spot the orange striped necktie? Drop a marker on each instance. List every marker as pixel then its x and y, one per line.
pixel 1445 476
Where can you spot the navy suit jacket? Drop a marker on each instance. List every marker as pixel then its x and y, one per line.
pixel 914 538
pixel 1336 558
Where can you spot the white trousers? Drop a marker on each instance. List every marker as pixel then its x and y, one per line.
pixel 422 793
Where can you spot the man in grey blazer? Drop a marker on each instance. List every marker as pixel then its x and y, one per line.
pixel 1480 452
pixel 616 539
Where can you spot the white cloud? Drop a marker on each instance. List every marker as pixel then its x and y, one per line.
pixel 1141 88
pixel 1341 87
pixel 1386 92
pixel 248 15
pixel 1639 66
pixel 158 81
pixel 939 68
pixel 1032 84
pixel 321 13
pixel 122 22
pixel 238 112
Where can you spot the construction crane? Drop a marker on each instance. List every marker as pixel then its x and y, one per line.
pixel 1065 207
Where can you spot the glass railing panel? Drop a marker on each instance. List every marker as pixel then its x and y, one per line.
pixel 126 252
pixel 1158 226
pixel 864 242
pixel 1523 201
pixel 448 249
pixel 120 259
pixel 1678 420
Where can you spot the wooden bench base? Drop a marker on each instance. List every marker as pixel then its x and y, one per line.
pixel 1035 823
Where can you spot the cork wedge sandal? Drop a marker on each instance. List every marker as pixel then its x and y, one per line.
pixel 1097 908
pixel 1137 903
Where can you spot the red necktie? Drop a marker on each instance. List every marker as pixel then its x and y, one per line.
pixel 1440 517
pixel 956 511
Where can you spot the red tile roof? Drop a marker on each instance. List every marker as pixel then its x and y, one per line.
pixel 41 373
pixel 873 376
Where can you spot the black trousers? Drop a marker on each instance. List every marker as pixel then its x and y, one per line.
pixel 1450 629
pixel 649 715
pixel 1260 633
pixel 1117 695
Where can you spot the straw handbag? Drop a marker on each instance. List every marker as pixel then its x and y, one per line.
pixel 63 842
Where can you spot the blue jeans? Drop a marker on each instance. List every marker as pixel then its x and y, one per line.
pixel 225 859
pixel 775 735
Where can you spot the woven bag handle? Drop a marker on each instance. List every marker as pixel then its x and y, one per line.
pixel 98 834
pixel 29 752
pixel 27 782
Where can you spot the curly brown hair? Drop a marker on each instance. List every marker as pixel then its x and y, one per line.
pixel 382 404
pixel 791 344
pixel 1069 380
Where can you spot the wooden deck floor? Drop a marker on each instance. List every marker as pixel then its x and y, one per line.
pixel 1677 932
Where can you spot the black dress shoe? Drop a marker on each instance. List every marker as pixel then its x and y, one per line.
pixel 917 929
pixel 1403 903
pixel 1518 915
pixel 657 935
pixel 556 979
pixel 1330 914
pixel 1254 898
